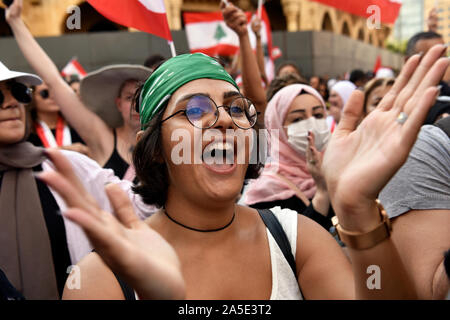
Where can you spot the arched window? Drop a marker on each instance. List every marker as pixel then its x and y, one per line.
pixel 361 34
pixel 345 29
pixel 327 25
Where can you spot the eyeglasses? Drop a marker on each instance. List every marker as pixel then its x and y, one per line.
pixel 44 94
pixel 203 113
pixel 19 91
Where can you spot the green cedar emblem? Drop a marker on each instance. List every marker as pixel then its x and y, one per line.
pixel 220 33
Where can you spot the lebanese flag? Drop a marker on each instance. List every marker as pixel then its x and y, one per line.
pixel 73 68
pixel 145 15
pixel 207 33
pixel 389 9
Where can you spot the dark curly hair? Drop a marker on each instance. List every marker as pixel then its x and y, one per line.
pixel 151 170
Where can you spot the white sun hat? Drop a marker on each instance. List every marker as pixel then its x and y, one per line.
pixel 25 78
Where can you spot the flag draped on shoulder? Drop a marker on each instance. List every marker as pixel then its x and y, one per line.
pixel 144 15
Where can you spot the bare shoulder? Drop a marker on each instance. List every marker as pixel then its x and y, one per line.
pixel 92 280
pixel 323 270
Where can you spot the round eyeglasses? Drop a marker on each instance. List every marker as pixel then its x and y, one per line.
pixel 203 113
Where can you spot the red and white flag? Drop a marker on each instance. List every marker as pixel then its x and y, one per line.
pixel 388 9
pixel 73 68
pixel 145 15
pixel 207 33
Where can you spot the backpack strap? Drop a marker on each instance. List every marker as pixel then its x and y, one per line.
pixel 127 291
pixel 275 228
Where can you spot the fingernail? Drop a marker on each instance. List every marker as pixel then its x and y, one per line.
pixel 438 88
pixel 420 55
pixel 37 174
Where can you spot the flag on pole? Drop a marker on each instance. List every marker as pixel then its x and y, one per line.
pixel 144 15
pixel 73 67
pixel 389 9
pixel 208 33
pixel 377 64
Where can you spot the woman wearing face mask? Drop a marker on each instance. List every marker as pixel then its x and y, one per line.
pixel 225 250
pixel 288 179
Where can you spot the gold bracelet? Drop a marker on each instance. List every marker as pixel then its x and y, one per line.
pixel 361 241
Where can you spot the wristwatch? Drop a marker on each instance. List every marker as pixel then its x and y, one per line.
pixel 361 241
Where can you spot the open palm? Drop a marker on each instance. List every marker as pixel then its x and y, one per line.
pixel 361 159
pixel 126 244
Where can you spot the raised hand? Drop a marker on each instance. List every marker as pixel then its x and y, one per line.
pixel 14 10
pixel 433 20
pixel 235 18
pixel 256 26
pixel 361 159
pixel 126 244
pixel 314 160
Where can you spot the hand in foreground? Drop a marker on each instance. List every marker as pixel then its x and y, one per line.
pixel 235 18
pixel 126 244
pixel 360 160
pixel 78 147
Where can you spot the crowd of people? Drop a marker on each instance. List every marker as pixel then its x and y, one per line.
pixel 142 176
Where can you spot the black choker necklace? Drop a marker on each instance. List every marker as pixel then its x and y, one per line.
pixel 211 230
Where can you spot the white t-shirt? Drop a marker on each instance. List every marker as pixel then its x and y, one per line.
pixel 94 179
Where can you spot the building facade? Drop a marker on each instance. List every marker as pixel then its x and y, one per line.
pixel 49 17
pixel 410 21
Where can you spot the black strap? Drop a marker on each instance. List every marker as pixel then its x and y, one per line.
pixel 127 291
pixel 275 228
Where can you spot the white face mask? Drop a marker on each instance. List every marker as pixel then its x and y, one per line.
pixel 298 134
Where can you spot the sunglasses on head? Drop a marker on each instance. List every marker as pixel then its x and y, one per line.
pixel 44 94
pixel 19 91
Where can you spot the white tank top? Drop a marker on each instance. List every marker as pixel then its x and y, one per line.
pixel 284 282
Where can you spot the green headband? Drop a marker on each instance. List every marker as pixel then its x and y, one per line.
pixel 171 75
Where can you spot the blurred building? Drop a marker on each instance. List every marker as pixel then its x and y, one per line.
pixel 410 21
pixel 48 17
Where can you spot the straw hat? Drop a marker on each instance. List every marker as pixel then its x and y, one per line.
pixel 25 78
pixel 99 89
